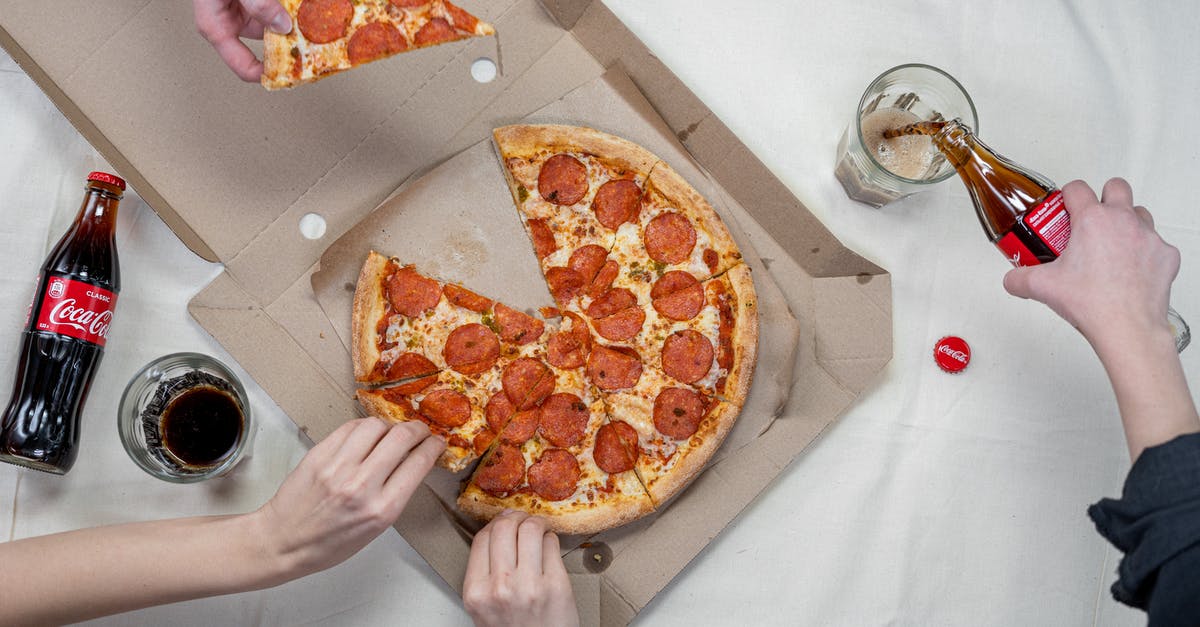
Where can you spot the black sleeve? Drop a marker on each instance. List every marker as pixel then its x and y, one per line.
pixel 1156 524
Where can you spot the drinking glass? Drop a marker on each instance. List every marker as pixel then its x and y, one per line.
pixel 906 93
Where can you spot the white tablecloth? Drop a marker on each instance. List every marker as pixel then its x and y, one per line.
pixel 936 499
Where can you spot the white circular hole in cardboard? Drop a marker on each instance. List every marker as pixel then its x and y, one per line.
pixel 312 226
pixel 483 70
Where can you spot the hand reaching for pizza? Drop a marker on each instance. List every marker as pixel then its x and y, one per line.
pixel 515 575
pixel 345 492
pixel 224 22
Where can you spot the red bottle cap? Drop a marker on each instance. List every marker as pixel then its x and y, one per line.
pixel 952 354
pixel 105 177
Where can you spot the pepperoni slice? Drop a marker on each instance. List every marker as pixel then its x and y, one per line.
pixel 615 314
pixel 373 41
pixel 614 368
pixel 555 476
pixel 587 261
pixel 503 470
pixel 677 295
pixel 323 21
pixel 563 180
pixel 465 298
pixel 417 386
pixel 678 412
pixel 517 327
pixel 622 325
pixel 543 238
pixel 526 382
pixel 565 284
pixel 604 279
pixel 616 449
pixel 564 419
pixel 522 426
pixel 568 349
pixel 407 365
pixel 435 31
pixel 617 202
pixel 471 349
pixel 687 355
pixel 461 19
pixel 412 294
pixel 446 408
pixel 499 409
pixel 721 299
pixel 669 238
pixel 711 259
pixel 482 441
pixel 611 302
pixel 394 395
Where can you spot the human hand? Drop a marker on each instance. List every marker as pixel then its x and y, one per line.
pixel 1114 278
pixel 345 492
pixel 515 575
pixel 222 22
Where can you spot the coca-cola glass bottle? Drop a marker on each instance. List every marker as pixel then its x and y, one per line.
pixel 1021 211
pixel 64 338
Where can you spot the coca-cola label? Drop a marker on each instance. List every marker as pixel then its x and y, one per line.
pixel 1017 252
pixel 1050 222
pixel 76 309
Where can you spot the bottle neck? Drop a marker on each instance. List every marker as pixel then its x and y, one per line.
pixel 957 143
pixel 98 212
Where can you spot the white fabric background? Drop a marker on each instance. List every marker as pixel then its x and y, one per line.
pixel 935 500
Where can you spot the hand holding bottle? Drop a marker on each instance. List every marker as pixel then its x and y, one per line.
pixel 1113 284
pixel 1115 277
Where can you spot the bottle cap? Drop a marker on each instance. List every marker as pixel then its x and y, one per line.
pixel 105 177
pixel 952 354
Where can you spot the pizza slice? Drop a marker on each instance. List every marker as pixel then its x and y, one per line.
pixel 453 406
pixel 677 431
pixel 676 231
pixel 469 411
pixel 406 324
pixel 698 334
pixel 329 36
pixel 573 188
pixel 569 469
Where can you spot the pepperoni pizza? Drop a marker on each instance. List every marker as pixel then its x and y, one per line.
pixel 329 36
pixel 607 405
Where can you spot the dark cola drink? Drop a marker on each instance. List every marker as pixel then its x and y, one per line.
pixel 64 338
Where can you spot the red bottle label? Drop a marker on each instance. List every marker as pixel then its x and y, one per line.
pixel 76 309
pixel 1017 252
pixel 1050 222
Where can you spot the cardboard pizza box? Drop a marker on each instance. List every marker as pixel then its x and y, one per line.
pixel 233 170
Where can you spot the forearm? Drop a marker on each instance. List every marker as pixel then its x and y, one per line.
pixel 1147 377
pixel 77 575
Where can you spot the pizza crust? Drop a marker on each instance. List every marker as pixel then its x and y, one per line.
pixel 745 335
pixel 483 506
pixel 277 61
pixel 716 426
pixel 530 140
pixel 666 181
pixel 370 304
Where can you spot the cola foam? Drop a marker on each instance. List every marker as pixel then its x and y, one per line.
pixel 909 156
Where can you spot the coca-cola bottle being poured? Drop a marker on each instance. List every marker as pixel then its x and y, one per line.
pixel 1021 211
pixel 64 338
